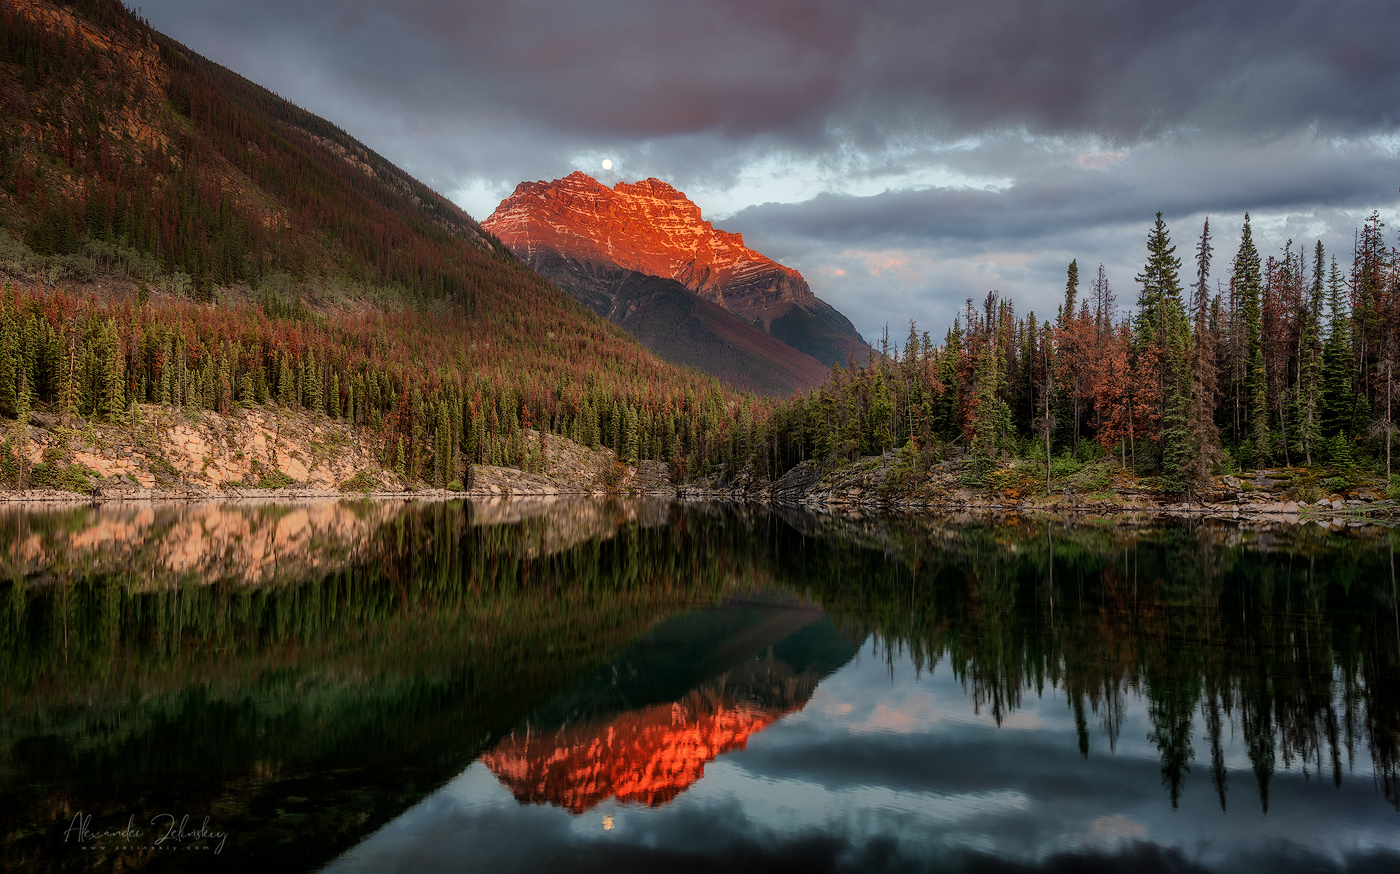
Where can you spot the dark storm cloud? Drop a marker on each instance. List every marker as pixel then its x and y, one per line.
pixel 813 73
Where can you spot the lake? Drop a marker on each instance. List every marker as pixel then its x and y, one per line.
pixel 625 685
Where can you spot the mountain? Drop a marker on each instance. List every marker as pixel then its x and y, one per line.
pixel 173 234
pixel 589 239
pixel 683 327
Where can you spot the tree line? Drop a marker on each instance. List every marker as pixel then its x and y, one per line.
pixel 1286 359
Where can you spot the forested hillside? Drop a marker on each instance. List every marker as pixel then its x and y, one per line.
pixel 179 235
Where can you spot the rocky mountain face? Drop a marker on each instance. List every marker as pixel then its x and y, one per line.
pixel 596 242
pixel 683 327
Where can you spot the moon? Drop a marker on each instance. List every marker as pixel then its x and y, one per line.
pixel 607 163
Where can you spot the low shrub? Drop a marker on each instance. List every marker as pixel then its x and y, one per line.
pixel 63 477
pixel 362 482
pixel 1064 465
pixel 275 480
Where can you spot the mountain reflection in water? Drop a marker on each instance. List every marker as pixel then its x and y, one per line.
pixel 575 755
pixel 382 684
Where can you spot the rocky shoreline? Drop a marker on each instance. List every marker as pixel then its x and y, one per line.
pixel 882 484
pixel 274 454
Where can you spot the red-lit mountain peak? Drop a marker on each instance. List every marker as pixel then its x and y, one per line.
pixel 751 320
pixel 649 227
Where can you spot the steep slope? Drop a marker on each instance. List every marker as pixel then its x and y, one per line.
pixel 683 327
pixel 121 136
pixel 650 227
pixel 178 235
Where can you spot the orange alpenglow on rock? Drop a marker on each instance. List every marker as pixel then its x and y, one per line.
pixel 646 756
pixel 648 227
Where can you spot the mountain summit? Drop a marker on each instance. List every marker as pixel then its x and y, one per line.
pixel 651 228
pixel 587 238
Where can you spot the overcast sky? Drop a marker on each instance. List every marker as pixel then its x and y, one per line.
pixel 902 155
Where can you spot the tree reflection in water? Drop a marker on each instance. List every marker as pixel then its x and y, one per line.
pixel 226 658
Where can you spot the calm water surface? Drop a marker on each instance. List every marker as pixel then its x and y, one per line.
pixel 518 686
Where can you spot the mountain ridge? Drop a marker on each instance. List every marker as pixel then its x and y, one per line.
pixel 652 228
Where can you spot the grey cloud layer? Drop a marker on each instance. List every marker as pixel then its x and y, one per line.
pixel 808 71
pixel 1180 181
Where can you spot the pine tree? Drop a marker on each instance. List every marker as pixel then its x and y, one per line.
pixel 442 448
pixel 24 402
pixel 286 384
pixel 247 390
pixel 310 382
pixel 990 417
pixel 224 399
pixel 1071 291
pixel 1161 342
pixel 881 410
pixel 630 444
pixel 1203 437
pixel 1046 425
pixel 167 371
pixel 10 363
pixel 1368 285
pixel 1308 394
pixel 1339 395
pixel 1074 344
pixel 1247 285
pixel 111 397
pixel 68 381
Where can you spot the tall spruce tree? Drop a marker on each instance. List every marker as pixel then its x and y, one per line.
pixel 1339 395
pixel 1369 261
pixel 1162 331
pixel 1203 437
pixel 1247 283
pixel 1308 394
pixel 1069 349
pixel 990 419
pixel 1071 292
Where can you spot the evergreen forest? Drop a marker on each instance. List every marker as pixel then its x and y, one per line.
pixel 1284 358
